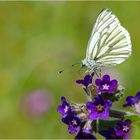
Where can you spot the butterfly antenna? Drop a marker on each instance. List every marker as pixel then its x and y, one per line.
pixel 97 74
pixel 100 72
pixel 61 71
pixel 75 64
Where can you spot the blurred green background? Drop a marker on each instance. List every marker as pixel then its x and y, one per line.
pixel 37 39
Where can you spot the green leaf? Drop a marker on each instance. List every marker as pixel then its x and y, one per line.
pixel 133 117
pixel 102 125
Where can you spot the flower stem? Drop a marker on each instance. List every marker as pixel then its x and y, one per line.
pixel 120 114
pixel 117 113
pixel 97 125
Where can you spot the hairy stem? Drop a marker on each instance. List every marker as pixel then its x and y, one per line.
pixel 117 113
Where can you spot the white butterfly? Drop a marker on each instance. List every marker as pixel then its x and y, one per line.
pixel 109 43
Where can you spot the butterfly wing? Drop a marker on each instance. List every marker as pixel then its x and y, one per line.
pixel 109 43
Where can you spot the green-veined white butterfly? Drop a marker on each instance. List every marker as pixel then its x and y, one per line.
pixel 109 43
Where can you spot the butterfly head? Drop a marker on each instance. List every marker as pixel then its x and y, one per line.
pixel 83 63
pixel 89 64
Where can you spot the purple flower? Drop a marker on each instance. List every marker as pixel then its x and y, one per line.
pixel 106 85
pixel 73 122
pixel 64 108
pixel 37 103
pixel 120 131
pixel 133 101
pixel 123 128
pixel 85 134
pixel 99 108
pixel 86 81
pixel 110 134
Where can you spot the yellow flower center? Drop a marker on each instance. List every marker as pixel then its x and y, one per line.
pixel 100 108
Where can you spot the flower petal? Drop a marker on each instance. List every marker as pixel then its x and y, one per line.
pixel 130 100
pixel 138 95
pixel 77 120
pixel 114 83
pixel 119 133
pixel 60 109
pixel 80 81
pixel 84 135
pixel 89 105
pixel 73 129
pixel 64 101
pixel 127 136
pixel 66 120
pixel 104 115
pixel 98 82
pixel 108 104
pixel 98 100
pixel 106 78
pixel 87 80
pixel 93 115
pixel 110 134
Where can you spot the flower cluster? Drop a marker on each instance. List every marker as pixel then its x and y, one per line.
pixel 98 108
pixel 106 85
pixel 134 102
pixel 120 131
pixel 68 116
pixel 84 119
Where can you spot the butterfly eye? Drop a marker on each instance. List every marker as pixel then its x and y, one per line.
pixel 83 65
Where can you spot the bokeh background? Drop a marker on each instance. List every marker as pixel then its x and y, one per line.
pixel 37 39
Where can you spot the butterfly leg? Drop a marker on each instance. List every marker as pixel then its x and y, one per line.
pixel 96 73
pixel 100 72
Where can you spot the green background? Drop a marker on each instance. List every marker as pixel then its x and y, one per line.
pixel 37 39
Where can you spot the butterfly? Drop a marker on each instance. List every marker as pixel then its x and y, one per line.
pixel 109 44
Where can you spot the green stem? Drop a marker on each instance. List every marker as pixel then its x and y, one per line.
pixel 97 125
pixel 117 114
pixel 120 114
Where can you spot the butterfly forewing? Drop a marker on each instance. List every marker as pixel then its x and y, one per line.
pixel 109 43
